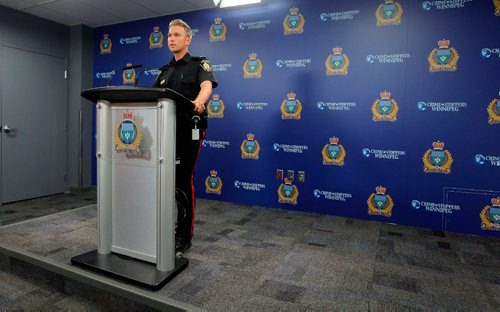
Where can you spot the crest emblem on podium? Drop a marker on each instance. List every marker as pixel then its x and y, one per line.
pixel 291 108
pixel 128 75
pixel 215 107
pixel 437 160
pixel 333 153
pixel 380 203
pixel 213 183
pixel 250 148
pixel 294 23
pixel 497 7
pixel 105 44
pixel 337 63
pixel 288 193
pixel 494 111
pixel 156 38
pixel 385 108
pixel 218 30
pixel 252 67
pixel 444 58
pixel 128 135
pixel 490 216
pixel 389 13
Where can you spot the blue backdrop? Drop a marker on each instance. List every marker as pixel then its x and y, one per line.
pixel 377 110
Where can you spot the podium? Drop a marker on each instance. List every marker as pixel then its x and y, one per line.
pixel 136 206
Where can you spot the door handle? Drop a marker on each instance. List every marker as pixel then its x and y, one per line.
pixel 7 129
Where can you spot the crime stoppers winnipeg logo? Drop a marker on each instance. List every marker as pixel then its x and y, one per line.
pixel 494 111
pixel 252 68
pixel 437 160
pixel 385 108
pixel 294 23
pixel 215 107
pixel 105 44
pixel 333 153
pixel 213 184
pixel 490 216
pixel 389 13
pixel 291 108
pixel 250 147
pixel 218 30
pixel 380 203
pixel 156 38
pixel 443 58
pixel 337 63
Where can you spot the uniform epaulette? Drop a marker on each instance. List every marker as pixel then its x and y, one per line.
pixel 198 58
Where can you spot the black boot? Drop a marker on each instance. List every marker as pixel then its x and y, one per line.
pixel 182 244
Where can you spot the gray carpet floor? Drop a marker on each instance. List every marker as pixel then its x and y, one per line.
pixel 247 258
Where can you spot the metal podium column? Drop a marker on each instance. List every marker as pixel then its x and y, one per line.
pixel 103 154
pixel 166 205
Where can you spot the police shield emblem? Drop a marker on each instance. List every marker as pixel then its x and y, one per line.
pixel 129 73
pixel 388 10
pixel 215 106
pixel 380 201
pixel 105 43
pixel 337 61
pixel 490 216
pixel 494 214
pixel 217 30
pixel 214 182
pixel 250 146
pixel 333 151
pixel 252 66
pixel 288 190
pixel 385 106
pixel 494 111
pixel 127 132
pixel 291 106
pixel 437 157
pixel 155 37
pixel 293 21
pixel 443 56
pixel 437 160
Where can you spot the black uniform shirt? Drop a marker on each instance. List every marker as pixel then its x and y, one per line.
pixel 185 77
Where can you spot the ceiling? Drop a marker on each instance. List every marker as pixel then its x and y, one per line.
pixel 97 13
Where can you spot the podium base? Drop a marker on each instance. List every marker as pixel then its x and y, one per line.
pixel 135 271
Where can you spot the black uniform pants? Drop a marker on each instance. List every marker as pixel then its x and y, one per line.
pixel 187 150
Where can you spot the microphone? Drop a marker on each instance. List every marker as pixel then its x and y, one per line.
pixel 113 72
pixel 130 66
pixel 146 70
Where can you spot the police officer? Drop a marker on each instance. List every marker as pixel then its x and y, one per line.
pixel 192 77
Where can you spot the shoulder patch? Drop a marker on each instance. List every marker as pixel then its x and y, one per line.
pixel 206 65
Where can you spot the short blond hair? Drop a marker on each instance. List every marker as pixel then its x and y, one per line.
pixel 179 22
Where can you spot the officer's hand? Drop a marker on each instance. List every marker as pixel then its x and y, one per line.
pixel 198 107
